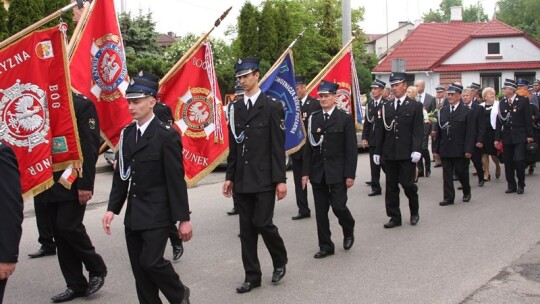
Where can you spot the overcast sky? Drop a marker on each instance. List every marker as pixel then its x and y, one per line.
pixel 197 16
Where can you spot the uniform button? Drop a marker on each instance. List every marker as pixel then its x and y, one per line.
pixel 134 195
pixel 133 159
pixel 133 173
pixel 246 161
pixel 247 126
pixel 247 137
pixel 134 184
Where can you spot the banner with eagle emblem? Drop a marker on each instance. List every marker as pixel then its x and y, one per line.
pixel 36 109
pixel 192 92
pixel 98 68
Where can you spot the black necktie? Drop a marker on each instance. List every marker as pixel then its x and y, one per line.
pixel 249 105
pixel 398 104
pixel 138 136
pixel 452 109
pixel 326 116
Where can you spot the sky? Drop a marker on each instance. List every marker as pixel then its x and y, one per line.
pixel 198 16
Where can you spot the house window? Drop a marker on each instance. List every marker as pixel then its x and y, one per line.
pixel 529 76
pixel 491 80
pixel 493 48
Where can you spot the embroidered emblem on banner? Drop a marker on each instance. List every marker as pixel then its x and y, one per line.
pixel 194 115
pixel 59 145
pixel 343 97
pixel 25 119
pixel 109 70
pixel 44 50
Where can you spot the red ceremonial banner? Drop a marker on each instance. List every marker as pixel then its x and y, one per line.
pixel 99 71
pixel 193 94
pixel 36 110
pixel 341 74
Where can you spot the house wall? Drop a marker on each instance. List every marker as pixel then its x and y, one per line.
pixel 399 34
pixel 512 49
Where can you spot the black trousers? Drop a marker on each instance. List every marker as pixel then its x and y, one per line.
pixel 425 161
pixel 74 247
pixel 335 196
pixel 2 289
pixel 301 194
pixel 152 272
pixel 514 165
pixel 173 236
pixel 460 167
pixel 375 171
pixel 45 230
pixel 400 172
pixel 256 211
pixel 476 159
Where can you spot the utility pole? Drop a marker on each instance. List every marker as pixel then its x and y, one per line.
pixel 346 29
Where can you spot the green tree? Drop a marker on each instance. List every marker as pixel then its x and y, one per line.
pixel 472 13
pixel 23 13
pixel 54 5
pixel 248 31
pixel 328 28
pixel 269 50
pixel 522 14
pixel 433 16
pixel 3 23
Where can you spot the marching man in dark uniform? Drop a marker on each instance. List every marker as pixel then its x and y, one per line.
pixel 163 112
pixel 479 129
pixel 330 165
pixel 454 143
pixel 150 174
pixel 514 127
pixel 11 214
pixel 256 170
pixel 400 145
pixel 308 105
pixel 371 132
pixel 65 208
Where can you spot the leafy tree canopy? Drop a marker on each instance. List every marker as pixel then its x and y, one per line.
pixel 522 14
pixel 23 13
pixel 473 13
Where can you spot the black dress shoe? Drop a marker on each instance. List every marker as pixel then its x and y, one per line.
pixel 42 252
pixel 420 174
pixel 437 166
pixel 481 183
pixel 510 191
pixel 278 274
pixel 368 183
pixel 531 170
pixel 300 216
pixel 392 224
pixel 233 211
pixel 460 187
pixel 446 203
pixel 95 283
pixel 247 287
pixel 323 253
pixel 466 198
pixel 177 251
pixel 455 178
pixel 375 193
pixel 428 173
pixel 414 219
pixel 67 295
pixel 348 242
pixel 185 299
pixel 520 190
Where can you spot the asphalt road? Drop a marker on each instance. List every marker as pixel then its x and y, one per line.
pixel 485 251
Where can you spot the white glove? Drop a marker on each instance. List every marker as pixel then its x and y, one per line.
pixel 377 159
pixel 415 156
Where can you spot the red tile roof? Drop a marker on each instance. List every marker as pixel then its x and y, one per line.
pixel 431 43
pixel 523 65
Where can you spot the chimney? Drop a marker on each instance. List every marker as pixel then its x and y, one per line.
pixel 455 13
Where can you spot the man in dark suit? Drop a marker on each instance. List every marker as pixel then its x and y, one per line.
pixel 163 112
pixel 429 103
pixel 400 145
pixel 455 143
pixel 330 165
pixel 65 205
pixel 523 84
pixel 371 131
pixel 150 174
pixel 11 214
pixel 478 129
pixel 440 101
pixel 474 87
pixel 256 170
pixel 308 105
pixel 514 127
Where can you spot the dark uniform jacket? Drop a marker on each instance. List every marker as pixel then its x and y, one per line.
pixel 479 122
pixel 257 164
pixel 88 127
pixel 335 159
pixel 458 137
pixel 11 206
pixel 371 129
pixel 405 136
pixel 157 191
pixel 514 122
pixel 310 105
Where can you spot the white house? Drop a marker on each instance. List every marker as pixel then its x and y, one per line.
pixel 381 44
